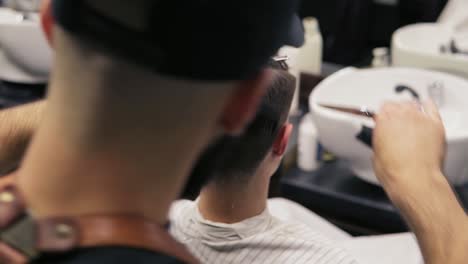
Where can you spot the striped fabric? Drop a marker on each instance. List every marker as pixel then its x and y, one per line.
pixel 261 239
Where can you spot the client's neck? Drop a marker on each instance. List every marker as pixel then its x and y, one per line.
pixel 234 203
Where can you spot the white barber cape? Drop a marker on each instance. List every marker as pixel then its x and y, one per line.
pixel 260 239
pixel 229 247
pixel 384 249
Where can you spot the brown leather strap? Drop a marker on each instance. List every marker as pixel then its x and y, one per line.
pixel 11 205
pixel 23 238
pixel 11 209
pixel 63 234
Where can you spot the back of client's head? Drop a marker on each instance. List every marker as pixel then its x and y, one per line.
pixel 235 159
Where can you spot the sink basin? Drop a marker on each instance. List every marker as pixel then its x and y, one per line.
pixel 419 45
pixel 355 88
pixel 25 56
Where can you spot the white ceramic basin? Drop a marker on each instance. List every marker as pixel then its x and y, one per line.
pixel 455 14
pixel 419 46
pixel 25 56
pixel 355 88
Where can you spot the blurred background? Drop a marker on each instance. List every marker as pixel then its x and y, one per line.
pixel 352 28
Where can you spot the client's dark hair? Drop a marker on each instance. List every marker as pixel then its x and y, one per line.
pixel 232 159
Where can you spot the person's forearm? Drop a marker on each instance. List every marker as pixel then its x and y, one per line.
pixel 437 219
pixel 17 126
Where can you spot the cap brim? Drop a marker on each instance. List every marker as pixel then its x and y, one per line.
pixel 296 32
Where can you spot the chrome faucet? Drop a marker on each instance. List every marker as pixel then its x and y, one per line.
pixel 452 48
pixel 402 88
pixel 435 91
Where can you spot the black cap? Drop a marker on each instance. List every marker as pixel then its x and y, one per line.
pixel 190 39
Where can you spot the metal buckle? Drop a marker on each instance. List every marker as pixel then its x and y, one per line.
pixel 21 236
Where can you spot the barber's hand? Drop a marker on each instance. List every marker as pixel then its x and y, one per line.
pixel 409 145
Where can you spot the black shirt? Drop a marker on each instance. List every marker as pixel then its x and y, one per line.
pixel 107 255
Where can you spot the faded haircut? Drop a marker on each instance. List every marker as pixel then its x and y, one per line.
pixel 233 159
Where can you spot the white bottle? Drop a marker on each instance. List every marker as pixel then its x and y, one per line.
pixel 308 156
pixel 381 57
pixel 310 55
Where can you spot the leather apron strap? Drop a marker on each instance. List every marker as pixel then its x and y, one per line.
pixel 23 239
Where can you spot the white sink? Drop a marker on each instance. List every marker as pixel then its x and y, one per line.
pixel 419 45
pixel 355 88
pixel 25 56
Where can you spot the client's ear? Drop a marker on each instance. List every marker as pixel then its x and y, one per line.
pixel 281 141
pixel 242 106
pixel 47 20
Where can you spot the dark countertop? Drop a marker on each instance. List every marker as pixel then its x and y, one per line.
pixel 354 205
pixel 13 94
